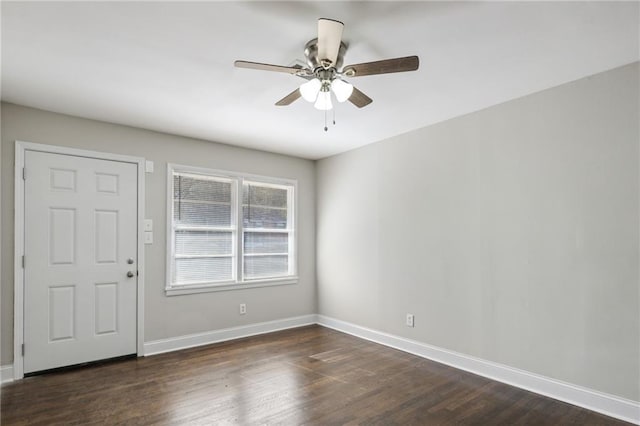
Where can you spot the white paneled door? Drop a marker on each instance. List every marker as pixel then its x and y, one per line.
pixel 80 275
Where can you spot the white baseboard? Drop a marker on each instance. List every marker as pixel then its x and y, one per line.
pixel 606 404
pixel 6 373
pixel 199 339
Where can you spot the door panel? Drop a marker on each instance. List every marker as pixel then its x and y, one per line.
pixel 62 301
pixel 62 236
pixel 80 231
pixel 106 237
pixel 106 308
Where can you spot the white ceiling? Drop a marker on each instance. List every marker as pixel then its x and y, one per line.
pixel 169 66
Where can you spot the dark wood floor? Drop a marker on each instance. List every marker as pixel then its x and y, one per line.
pixel 310 375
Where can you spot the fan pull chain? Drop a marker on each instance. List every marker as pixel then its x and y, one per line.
pixel 325 121
pixel 334 116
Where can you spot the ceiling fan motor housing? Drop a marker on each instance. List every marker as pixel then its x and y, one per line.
pixel 314 62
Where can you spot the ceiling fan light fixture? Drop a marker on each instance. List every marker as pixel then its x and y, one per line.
pixel 310 90
pixel 323 103
pixel 341 89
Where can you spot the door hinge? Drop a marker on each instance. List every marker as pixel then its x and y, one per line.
pixel 23 349
pixel 24 262
pixel 24 173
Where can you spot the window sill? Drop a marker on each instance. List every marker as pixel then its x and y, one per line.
pixel 207 288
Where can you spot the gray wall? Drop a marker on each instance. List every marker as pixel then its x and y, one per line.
pixel 511 234
pixel 176 315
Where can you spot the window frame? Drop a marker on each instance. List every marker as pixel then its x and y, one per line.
pixel 238 281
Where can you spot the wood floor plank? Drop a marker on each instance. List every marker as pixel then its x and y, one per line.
pixel 310 375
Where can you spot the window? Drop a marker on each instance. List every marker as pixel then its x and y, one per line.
pixel 228 230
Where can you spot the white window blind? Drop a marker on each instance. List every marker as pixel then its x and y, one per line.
pixel 203 229
pixel 267 230
pixel 229 229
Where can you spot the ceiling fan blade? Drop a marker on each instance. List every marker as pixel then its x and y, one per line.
pixel 267 67
pixel 359 99
pixel 329 39
pixel 408 63
pixel 290 98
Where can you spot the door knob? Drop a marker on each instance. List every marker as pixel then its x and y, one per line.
pixel 130 274
pixel 130 261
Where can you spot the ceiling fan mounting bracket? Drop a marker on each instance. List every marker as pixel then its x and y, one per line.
pixel 349 72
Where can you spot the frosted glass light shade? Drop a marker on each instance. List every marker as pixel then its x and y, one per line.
pixel 324 101
pixel 310 90
pixel 341 89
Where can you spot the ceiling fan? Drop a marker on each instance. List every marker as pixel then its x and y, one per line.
pixel 324 58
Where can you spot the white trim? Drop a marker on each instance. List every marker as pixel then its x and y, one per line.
pixel 600 402
pixel 192 289
pixel 199 339
pixel 142 170
pixel 183 168
pixel 18 306
pixel 168 267
pixel 6 373
pixel 238 247
pixel 18 271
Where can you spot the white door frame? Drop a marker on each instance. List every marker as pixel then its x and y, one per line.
pixel 19 222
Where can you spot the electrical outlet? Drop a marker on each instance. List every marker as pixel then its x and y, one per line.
pixel 243 308
pixel 410 320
